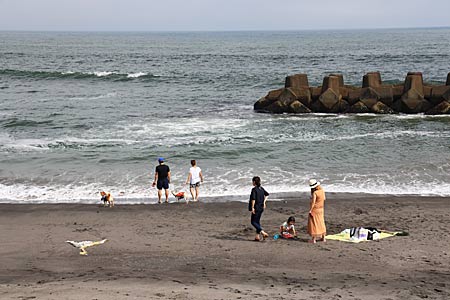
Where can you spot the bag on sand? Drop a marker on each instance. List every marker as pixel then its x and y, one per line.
pixel 354 233
pixel 358 233
pixel 361 233
pixel 373 234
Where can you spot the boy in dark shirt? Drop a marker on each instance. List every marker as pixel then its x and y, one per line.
pixel 162 179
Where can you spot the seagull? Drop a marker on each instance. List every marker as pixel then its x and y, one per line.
pixel 85 244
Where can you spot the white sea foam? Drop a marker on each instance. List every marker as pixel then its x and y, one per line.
pixel 74 193
pixel 26 145
pixel 211 190
pixel 136 75
pixel 103 73
pixel 332 116
pixel 97 97
pixel 417 188
pixel 320 137
pixel 5 114
pixel 200 130
pixel 224 183
pixel 383 135
pixel 308 117
pixel 190 131
pixel 108 73
pixel 88 141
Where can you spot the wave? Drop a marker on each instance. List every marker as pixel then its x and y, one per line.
pixel 9 143
pixel 96 97
pixel 107 75
pixel 134 192
pixel 358 116
pixel 137 75
pixel 16 122
pixel 211 135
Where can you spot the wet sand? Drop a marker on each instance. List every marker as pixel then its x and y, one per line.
pixel 205 251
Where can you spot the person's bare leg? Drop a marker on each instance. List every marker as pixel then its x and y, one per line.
pixel 159 196
pixel 192 193
pixel 257 237
pixel 196 193
pixel 167 196
pixel 312 240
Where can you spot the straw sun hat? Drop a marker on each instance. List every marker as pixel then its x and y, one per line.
pixel 313 183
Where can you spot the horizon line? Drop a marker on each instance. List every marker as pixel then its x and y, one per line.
pixel 228 30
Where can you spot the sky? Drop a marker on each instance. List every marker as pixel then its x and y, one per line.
pixel 219 15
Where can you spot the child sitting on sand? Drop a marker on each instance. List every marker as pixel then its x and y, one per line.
pixel 287 229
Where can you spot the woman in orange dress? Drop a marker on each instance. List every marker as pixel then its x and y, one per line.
pixel 316 220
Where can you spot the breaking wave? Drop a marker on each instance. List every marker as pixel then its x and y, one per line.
pixel 110 75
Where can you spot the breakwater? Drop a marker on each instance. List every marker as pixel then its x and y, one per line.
pixel 411 97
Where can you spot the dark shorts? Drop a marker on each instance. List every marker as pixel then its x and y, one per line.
pixel 162 184
pixel 195 185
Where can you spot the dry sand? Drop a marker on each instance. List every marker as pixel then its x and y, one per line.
pixel 204 251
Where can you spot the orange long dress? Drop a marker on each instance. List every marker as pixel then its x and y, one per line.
pixel 316 222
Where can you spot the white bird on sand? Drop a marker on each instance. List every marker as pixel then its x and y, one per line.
pixel 85 244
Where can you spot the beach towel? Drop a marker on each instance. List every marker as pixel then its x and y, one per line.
pixel 344 236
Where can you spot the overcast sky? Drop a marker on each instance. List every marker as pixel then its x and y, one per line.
pixel 175 15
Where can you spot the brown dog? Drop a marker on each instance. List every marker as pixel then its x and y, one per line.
pixel 107 199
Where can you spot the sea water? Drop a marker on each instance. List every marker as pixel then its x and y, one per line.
pixel 85 112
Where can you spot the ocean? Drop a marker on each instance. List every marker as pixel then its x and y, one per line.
pixel 84 112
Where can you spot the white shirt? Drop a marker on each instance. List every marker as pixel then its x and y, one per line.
pixel 287 228
pixel 195 174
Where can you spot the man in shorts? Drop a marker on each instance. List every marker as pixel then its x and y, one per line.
pixel 162 179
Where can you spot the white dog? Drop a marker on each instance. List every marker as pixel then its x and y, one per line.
pixel 85 244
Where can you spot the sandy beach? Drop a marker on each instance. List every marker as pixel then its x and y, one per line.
pixel 205 251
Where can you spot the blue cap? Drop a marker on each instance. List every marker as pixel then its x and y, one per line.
pixel 161 159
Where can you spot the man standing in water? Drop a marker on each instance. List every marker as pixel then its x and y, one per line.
pixel 162 179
